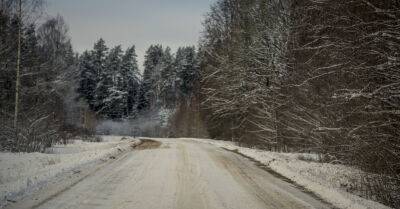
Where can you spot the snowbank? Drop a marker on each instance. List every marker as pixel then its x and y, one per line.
pixel 22 173
pixel 324 179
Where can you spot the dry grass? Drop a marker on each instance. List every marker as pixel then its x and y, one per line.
pixel 148 144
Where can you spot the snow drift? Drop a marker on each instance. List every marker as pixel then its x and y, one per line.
pixel 324 179
pixel 23 173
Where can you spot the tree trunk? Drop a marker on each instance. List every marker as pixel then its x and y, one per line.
pixel 18 69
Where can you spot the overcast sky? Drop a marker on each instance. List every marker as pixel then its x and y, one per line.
pixel 172 23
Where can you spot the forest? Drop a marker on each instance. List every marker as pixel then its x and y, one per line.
pixel 289 76
pixel 62 94
pixel 308 76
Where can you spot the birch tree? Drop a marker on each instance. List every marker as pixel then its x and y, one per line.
pixel 18 73
pixel 37 116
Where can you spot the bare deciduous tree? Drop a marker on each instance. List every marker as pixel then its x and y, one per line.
pixel 311 76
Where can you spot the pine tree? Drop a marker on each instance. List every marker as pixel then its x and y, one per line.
pixel 131 83
pixel 168 77
pixel 187 67
pixel 150 89
pixel 99 54
pixel 87 79
pixel 109 80
pixel 111 94
pixel 118 97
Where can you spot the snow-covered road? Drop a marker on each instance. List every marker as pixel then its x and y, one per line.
pixel 179 174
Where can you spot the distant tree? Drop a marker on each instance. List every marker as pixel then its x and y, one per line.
pixel 150 87
pixel 187 67
pixel 110 81
pixel 53 39
pixel 167 80
pixel 99 53
pixel 110 93
pixel 99 56
pixel 87 79
pixel 131 81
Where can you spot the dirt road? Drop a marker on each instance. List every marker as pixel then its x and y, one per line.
pixel 179 174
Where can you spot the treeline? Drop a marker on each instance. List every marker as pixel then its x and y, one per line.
pixel 169 88
pixel 49 93
pixel 167 78
pixel 32 102
pixel 112 86
pixel 309 76
pixel 109 80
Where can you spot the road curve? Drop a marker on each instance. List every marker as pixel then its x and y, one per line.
pixel 180 174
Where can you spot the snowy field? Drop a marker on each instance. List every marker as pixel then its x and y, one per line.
pixel 326 180
pixel 23 173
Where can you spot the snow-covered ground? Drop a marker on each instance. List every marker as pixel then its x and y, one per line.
pixel 325 180
pixel 178 174
pixel 23 173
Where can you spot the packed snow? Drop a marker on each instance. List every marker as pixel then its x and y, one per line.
pixel 178 174
pixel 324 179
pixel 23 173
